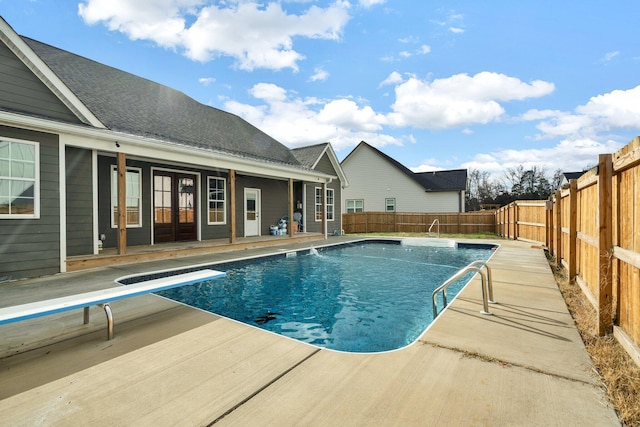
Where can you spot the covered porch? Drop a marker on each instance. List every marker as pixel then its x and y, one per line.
pixel 163 251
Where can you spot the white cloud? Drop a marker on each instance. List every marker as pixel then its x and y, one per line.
pixel 618 109
pixel 319 74
pixel 206 80
pixel 460 100
pixel 610 55
pixel 393 78
pixel 257 35
pixel 428 165
pixel 297 121
pixel 424 49
pixel 370 3
pixel 456 30
pixel 567 155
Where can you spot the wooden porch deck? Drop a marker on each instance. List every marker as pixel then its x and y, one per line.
pixel 135 254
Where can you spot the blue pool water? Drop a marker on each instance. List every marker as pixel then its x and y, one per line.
pixel 365 297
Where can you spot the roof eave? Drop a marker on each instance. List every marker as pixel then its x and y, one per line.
pixel 105 140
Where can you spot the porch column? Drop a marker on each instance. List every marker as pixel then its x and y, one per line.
pixel 122 204
pixel 291 230
pixel 232 206
pixel 324 209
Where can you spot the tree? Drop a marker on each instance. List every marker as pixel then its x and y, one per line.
pixel 518 184
pixel 528 183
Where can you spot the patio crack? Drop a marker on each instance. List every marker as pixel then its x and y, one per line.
pixel 264 387
pixel 503 363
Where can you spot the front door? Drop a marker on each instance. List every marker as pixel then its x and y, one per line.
pixel 174 201
pixel 251 212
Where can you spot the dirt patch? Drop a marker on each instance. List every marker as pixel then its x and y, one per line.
pixel 618 372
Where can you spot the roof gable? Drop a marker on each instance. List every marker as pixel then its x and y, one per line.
pixel 130 104
pixel 446 180
pixel 310 157
pixel 58 91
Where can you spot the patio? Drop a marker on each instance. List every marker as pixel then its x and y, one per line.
pixel 170 364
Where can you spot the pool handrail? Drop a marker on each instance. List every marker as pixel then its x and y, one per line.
pixel 435 222
pixel 487 287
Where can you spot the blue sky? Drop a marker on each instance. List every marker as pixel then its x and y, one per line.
pixel 434 84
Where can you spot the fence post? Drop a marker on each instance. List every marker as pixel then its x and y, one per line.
pixel 558 228
pixel 573 225
pixel 605 245
pixel 549 224
pixel 516 218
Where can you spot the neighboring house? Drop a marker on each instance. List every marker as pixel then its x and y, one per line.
pixel 378 183
pixel 321 158
pixel 568 176
pixel 74 131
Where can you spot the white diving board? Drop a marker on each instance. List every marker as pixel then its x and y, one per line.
pixel 102 298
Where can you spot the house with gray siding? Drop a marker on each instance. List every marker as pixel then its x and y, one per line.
pixel 378 183
pixel 321 158
pixel 93 158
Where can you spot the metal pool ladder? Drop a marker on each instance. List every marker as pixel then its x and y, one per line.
pixel 435 222
pixel 487 286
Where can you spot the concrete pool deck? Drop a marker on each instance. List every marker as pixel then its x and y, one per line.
pixel 173 365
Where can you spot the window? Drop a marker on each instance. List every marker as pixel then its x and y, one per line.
pixel 318 204
pixel 217 204
pixel 330 204
pixel 19 179
pixel 133 197
pixel 354 206
pixel 390 205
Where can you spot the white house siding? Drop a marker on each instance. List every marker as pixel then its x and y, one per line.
pixel 373 179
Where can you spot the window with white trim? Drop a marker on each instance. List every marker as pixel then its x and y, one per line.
pixel 330 204
pixel 354 206
pixel 390 205
pixel 133 197
pixel 318 203
pixel 19 179
pixel 330 201
pixel 217 201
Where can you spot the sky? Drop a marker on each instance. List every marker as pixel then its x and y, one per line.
pixel 436 85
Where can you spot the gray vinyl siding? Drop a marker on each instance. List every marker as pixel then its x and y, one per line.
pixel 79 198
pixel 274 201
pixel 31 247
pixel 324 165
pixel 22 91
pixel 136 236
pixel 373 179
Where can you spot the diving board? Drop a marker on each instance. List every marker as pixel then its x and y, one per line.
pixel 102 298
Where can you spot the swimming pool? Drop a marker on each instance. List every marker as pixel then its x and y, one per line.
pixel 368 296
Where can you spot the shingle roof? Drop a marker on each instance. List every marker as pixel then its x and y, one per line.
pixel 308 156
pixel 131 104
pixel 572 175
pixel 446 180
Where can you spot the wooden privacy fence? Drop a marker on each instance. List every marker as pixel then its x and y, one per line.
pixel 593 229
pixel 397 222
pixel 523 219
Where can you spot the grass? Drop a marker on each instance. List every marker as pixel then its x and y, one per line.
pixel 618 372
